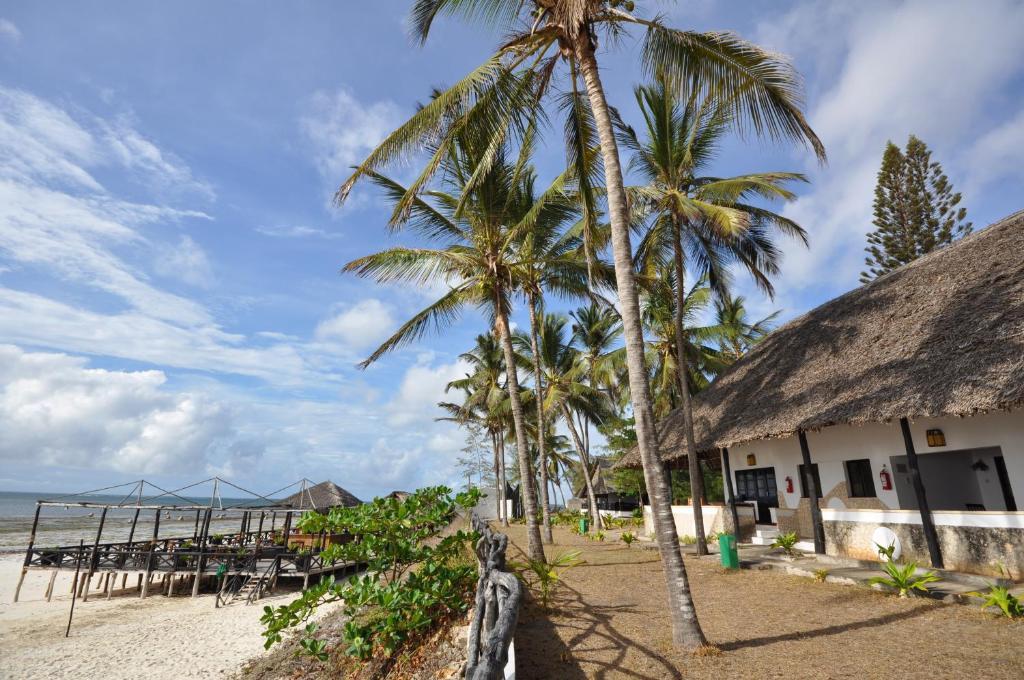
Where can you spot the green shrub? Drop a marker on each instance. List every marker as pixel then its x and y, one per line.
pixel 820 575
pixel 638 513
pixel 414 577
pixel 599 536
pixel 687 540
pixel 544 576
pixel 904 578
pixel 712 537
pixel 627 538
pixel 1001 598
pixel 787 542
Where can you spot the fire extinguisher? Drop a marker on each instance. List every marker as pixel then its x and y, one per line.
pixel 885 478
pixel 789 485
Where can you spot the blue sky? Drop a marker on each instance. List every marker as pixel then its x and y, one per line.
pixel 170 305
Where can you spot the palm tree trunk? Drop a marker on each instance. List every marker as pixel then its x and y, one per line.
pixel 545 510
pixel 686 631
pixel 588 481
pixel 504 478
pixel 497 476
pixel 534 548
pixel 696 478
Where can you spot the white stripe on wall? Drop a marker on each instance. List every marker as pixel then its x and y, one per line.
pixel 948 518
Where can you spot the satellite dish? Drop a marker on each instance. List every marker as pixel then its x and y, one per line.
pixel 885 537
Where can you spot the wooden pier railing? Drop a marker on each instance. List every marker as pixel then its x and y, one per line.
pixel 498 596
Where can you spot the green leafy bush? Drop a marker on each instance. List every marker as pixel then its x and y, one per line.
pixel 821 575
pixel 1001 598
pixel 627 538
pixel 544 576
pixel 904 578
pixel 787 542
pixel 687 540
pixel 712 537
pixel 599 536
pixel 414 577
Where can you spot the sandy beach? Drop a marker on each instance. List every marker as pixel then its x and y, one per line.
pixel 123 637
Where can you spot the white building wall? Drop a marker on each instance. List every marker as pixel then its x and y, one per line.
pixel 878 442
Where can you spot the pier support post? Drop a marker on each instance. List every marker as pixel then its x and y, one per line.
pixel 49 588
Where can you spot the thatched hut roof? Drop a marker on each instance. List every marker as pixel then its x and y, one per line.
pixel 322 496
pixel 941 336
pixel 600 485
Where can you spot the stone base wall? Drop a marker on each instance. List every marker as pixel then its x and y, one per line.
pixel 971 549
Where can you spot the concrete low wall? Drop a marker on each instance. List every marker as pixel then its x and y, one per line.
pixel 977 542
pixel 716 519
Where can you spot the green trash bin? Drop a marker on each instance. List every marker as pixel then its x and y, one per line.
pixel 727 548
pixel 584 525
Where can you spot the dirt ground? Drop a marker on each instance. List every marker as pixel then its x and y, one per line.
pixel 609 620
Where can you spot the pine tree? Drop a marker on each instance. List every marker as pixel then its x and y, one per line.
pixel 915 209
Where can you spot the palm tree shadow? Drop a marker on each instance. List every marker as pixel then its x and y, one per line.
pixel 827 630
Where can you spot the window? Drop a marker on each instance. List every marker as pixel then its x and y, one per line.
pixel 859 478
pixel 803 480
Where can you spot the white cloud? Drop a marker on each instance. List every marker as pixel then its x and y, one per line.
pixel 65 413
pixel 359 326
pixel 996 155
pixel 9 31
pixel 162 170
pixel 298 232
pixel 186 261
pixel 342 130
pixel 422 387
pixel 885 72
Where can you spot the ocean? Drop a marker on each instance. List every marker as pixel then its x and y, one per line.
pixel 63 526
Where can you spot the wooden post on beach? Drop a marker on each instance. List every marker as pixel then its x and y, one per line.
pixel 94 558
pixel 259 532
pixel 170 586
pixel 149 555
pixel 204 532
pixel 28 552
pixel 78 565
pixel 195 529
pixel 49 588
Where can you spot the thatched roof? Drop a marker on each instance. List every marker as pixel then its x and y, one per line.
pixel 600 485
pixel 322 496
pixel 941 336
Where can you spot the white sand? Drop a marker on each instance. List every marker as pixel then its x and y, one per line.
pixel 124 637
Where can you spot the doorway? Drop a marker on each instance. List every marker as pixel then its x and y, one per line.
pixel 758 486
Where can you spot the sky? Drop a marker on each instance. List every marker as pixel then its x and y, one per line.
pixel 170 299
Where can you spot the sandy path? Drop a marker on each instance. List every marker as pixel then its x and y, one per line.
pixel 123 637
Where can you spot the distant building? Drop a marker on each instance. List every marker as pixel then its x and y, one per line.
pixel 321 497
pixel 606 497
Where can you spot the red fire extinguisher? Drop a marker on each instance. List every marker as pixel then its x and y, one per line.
pixel 789 485
pixel 885 478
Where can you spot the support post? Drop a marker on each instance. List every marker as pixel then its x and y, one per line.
pixel 287 529
pixel 730 495
pixel 149 556
pixel 814 493
pixel 195 529
pixel 259 532
pixel 203 533
pixel 131 538
pixel 28 552
pixel 49 588
pixel 93 561
pixel 931 537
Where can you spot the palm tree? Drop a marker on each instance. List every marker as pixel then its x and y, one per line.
pixel 761 89
pixel 739 334
pixel 485 403
pixel 701 221
pixel 704 360
pixel 569 394
pixel 478 231
pixel 550 262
